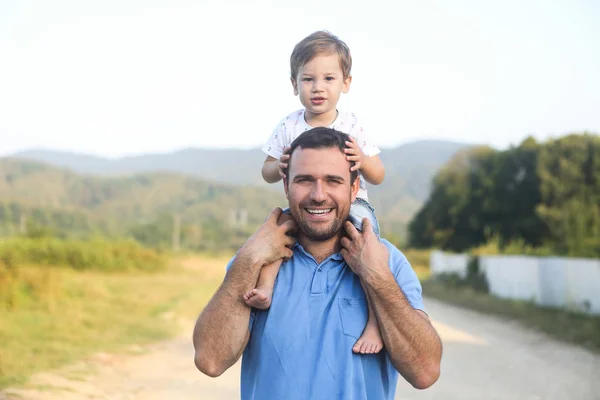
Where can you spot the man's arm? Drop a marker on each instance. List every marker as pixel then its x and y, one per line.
pixel 221 332
pixel 410 340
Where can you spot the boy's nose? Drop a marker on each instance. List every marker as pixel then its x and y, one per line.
pixel 317 85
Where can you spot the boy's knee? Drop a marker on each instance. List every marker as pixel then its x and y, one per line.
pixel 285 216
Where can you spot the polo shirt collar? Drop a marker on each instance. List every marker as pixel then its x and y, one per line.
pixel 335 256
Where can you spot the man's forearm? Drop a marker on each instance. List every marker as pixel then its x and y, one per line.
pixel 221 332
pixel 410 340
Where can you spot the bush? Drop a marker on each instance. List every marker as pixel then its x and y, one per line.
pixel 97 254
pixel 417 258
pixel 475 278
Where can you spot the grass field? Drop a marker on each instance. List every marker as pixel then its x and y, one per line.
pixel 61 315
pixel 76 313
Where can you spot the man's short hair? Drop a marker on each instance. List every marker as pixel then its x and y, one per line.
pixel 317 44
pixel 321 138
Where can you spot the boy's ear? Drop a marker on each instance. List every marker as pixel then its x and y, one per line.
pixel 347 83
pixel 295 85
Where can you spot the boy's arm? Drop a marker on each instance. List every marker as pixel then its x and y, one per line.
pixel 372 170
pixel 370 167
pixel 270 170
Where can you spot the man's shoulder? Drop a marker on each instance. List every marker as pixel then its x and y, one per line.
pixel 397 259
pixel 391 247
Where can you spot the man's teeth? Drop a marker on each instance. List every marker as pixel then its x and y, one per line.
pixel 318 211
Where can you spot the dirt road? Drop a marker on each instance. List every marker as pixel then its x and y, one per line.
pixel 484 358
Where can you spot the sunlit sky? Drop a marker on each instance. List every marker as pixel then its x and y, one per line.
pixel 116 78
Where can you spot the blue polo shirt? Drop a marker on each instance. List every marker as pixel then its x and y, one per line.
pixel 301 347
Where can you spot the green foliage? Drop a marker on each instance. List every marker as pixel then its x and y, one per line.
pixel 79 255
pixel 534 198
pixel 140 207
pixel 409 169
pixel 475 278
pixel 569 168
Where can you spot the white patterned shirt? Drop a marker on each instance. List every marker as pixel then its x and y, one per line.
pixel 292 126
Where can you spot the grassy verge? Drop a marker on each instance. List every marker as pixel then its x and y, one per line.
pixel 571 327
pixel 77 313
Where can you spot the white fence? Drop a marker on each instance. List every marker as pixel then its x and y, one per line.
pixel 571 283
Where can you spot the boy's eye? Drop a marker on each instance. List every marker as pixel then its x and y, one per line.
pixel 329 78
pixel 306 79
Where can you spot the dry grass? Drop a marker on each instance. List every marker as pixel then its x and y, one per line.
pixel 61 315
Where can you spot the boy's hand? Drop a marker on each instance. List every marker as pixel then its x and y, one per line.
pixel 283 161
pixel 354 153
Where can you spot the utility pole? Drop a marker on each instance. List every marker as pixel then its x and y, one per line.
pixel 22 223
pixel 176 232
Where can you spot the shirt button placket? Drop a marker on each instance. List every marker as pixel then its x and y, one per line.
pixel 319 281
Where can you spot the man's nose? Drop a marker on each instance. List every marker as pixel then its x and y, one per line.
pixel 318 194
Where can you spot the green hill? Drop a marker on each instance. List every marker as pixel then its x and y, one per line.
pixel 409 170
pixel 142 205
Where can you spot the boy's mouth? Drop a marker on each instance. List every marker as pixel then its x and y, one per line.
pixel 317 100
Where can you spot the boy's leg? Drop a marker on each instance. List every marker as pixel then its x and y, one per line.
pixel 370 340
pixel 362 209
pixel 261 296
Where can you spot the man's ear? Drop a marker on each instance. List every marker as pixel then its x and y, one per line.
pixel 285 187
pixel 295 86
pixel 354 188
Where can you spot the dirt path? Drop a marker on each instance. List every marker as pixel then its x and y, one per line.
pixel 485 358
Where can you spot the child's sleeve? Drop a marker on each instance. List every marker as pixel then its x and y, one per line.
pixel 363 139
pixel 278 140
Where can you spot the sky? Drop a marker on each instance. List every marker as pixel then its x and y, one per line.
pixel 116 78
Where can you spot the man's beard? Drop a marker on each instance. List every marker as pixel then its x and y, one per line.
pixel 322 234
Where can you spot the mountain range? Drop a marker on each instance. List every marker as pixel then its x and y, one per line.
pixel 190 172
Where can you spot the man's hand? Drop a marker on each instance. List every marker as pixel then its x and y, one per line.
pixel 363 252
pixel 271 241
pixel 283 161
pixel 354 154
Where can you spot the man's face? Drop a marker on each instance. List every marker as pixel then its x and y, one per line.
pixel 319 191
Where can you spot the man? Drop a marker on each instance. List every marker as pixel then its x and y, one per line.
pixel 301 347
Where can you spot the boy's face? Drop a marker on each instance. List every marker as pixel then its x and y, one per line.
pixel 319 83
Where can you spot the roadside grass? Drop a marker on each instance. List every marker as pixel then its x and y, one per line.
pixel 568 326
pixel 64 315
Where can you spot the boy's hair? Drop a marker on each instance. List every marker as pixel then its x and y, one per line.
pixel 320 43
pixel 320 138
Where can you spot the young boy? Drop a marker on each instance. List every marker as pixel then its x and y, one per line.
pixel 320 73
